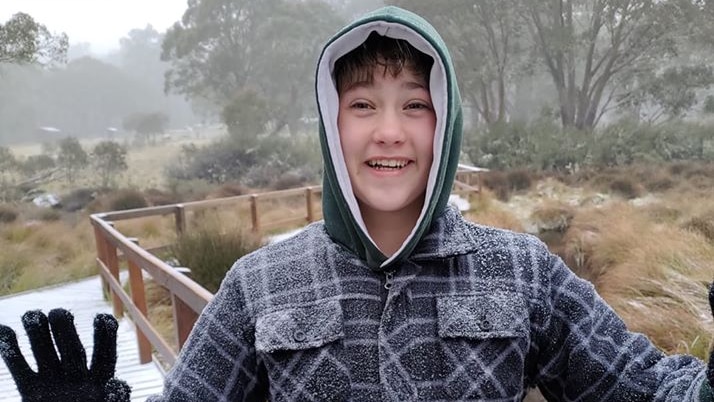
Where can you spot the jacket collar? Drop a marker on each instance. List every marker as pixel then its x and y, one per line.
pixel 450 235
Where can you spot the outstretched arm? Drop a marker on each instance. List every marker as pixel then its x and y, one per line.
pixel 64 378
pixel 586 352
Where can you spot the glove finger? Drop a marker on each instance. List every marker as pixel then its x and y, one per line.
pixel 73 357
pixel 104 357
pixel 117 391
pixel 38 331
pixel 15 361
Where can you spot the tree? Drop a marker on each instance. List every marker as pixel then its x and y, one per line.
pixel 224 48
pixel 147 125
pixel 709 105
pixel 109 159
pixel 246 116
pixel 671 93
pixel 7 160
pixel 591 48
pixel 35 164
pixel 72 158
pixel 486 43
pixel 7 164
pixel 25 41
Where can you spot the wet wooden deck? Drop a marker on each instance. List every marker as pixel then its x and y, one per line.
pixel 84 300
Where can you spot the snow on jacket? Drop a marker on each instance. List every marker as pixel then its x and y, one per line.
pixel 475 313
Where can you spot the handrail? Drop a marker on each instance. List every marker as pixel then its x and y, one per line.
pixel 188 297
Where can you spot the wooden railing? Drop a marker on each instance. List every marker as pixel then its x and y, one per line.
pixel 188 297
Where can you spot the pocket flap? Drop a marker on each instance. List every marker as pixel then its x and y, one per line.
pixel 299 328
pixel 498 314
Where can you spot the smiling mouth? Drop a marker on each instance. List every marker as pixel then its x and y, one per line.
pixel 388 164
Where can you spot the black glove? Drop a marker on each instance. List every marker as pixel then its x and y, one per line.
pixel 64 378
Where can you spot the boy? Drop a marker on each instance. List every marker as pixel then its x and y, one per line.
pixel 395 297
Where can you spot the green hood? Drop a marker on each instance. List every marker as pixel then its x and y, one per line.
pixel 343 219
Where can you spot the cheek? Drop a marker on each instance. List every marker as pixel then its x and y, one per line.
pixel 425 141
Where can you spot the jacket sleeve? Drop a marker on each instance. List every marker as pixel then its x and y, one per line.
pixel 586 353
pixel 218 361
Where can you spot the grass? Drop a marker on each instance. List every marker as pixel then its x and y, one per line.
pixel 486 210
pixel 211 248
pixel 654 275
pixel 45 253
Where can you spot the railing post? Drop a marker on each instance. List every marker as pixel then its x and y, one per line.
pixel 478 183
pixel 184 318
pixel 309 201
pixel 112 263
pixel 101 255
pixel 254 212
pixel 180 218
pixel 138 296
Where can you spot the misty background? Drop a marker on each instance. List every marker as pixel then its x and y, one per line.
pixel 550 84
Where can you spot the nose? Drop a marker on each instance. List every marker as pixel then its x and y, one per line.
pixel 389 129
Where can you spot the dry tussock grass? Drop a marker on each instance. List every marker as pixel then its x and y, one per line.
pixel 50 252
pixel 485 210
pixel 654 275
pixel 552 215
pixel 152 231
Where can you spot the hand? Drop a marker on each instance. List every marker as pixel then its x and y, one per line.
pixel 65 378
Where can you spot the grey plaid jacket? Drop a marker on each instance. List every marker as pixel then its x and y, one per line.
pixel 476 313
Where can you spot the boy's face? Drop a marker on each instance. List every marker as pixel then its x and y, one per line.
pixel 386 128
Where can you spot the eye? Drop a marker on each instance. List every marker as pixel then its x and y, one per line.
pixel 360 105
pixel 417 105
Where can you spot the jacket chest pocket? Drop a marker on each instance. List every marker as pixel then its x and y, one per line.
pixel 301 349
pixel 494 315
pixel 487 336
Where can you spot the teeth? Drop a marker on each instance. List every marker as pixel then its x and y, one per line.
pixel 387 163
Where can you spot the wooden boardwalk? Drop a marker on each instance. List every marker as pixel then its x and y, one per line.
pixel 84 300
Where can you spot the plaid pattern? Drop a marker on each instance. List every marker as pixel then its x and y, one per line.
pixel 475 314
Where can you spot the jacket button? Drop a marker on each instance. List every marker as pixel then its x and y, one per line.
pixel 299 336
pixel 486 325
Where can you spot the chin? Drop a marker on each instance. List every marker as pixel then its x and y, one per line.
pixel 390 203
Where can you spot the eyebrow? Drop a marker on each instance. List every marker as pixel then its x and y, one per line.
pixel 368 83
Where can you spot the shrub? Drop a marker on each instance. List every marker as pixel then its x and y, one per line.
pixel 287 181
pixel 660 181
pixel 625 187
pixel 190 189
pixel 219 162
pixel 229 190
pixel 158 197
pixel 127 199
pixel 78 199
pixel 519 180
pixel 8 213
pixel 497 182
pixel 47 215
pixel 209 252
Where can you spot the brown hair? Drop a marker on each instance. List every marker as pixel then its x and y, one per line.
pixel 380 51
